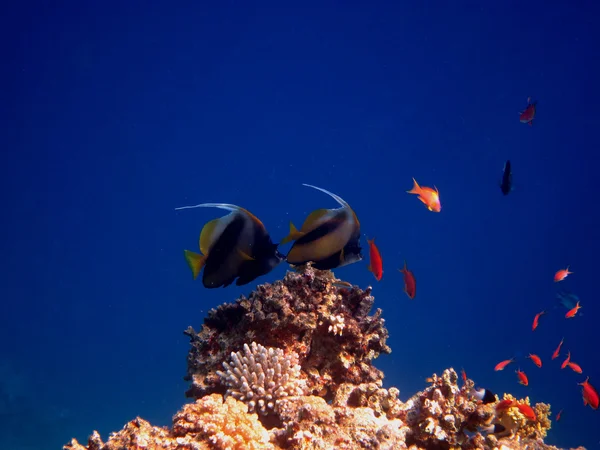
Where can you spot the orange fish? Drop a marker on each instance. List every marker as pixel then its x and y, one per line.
pixel 430 197
pixel 590 394
pixel 504 404
pixel 375 262
pixel 528 114
pixel 566 361
pixel 522 377
pixel 558 415
pixel 536 359
pixel 562 274
pixel 527 411
pixel 571 313
pixel 464 375
pixel 536 320
pixel 410 283
pixel 576 367
pixel 503 364
pixel 557 351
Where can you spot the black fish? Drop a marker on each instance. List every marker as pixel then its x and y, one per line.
pixel 485 395
pixel 506 182
pixel 329 238
pixel 234 246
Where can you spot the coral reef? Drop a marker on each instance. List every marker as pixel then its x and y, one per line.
pixel 290 367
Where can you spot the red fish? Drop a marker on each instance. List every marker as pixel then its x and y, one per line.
pixel 522 378
pixel 504 404
pixel 536 359
pixel 536 320
pixel 410 283
pixel 558 415
pixel 501 365
pixel 566 361
pixel 576 367
pixel 430 197
pixel 557 351
pixel 528 114
pixel 527 411
pixel 464 375
pixel 375 262
pixel 590 394
pixel 562 274
pixel 572 312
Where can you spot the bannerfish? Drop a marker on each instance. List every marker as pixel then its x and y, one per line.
pixel 233 246
pixel 329 238
pixel 506 181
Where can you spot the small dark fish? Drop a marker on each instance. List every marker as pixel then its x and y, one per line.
pixel 485 395
pixel 506 182
pixel 493 428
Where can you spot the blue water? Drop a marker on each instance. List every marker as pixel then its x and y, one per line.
pixel 115 113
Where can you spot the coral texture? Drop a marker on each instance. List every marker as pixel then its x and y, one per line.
pixel 262 376
pixel 297 358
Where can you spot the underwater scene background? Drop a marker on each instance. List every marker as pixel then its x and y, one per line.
pixel 116 113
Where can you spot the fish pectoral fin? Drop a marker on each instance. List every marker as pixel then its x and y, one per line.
pixel 245 256
pixel 195 261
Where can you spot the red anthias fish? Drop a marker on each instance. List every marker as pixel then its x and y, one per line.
pixel 536 320
pixel 522 378
pixel 590 394
pixel 410 283
pixel 528 114
pixel 502 364
pixel 527 411
pixel 557 351
pixel 375 262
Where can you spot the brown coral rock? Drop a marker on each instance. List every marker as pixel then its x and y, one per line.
pixel 309 422
pixel 308 333
pixel 306 313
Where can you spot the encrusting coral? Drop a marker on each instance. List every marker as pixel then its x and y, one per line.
pixel 290 367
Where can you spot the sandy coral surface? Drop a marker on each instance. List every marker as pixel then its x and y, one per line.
pixel 290 367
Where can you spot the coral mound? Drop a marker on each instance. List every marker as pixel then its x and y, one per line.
pixel 290 367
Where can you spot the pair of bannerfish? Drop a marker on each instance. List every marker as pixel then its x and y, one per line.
pixel 237 247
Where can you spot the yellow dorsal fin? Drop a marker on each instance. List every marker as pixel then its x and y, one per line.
pixel 294 235
pixel 313 218
pixel 207 235
pixel 195 261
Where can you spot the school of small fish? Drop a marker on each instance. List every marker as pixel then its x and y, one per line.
pixel 237 247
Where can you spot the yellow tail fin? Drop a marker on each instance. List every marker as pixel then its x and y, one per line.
pixel 195 261
pixel 294 234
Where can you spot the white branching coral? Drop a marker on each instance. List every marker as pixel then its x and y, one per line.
pixel 337 324
pixel 260 376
